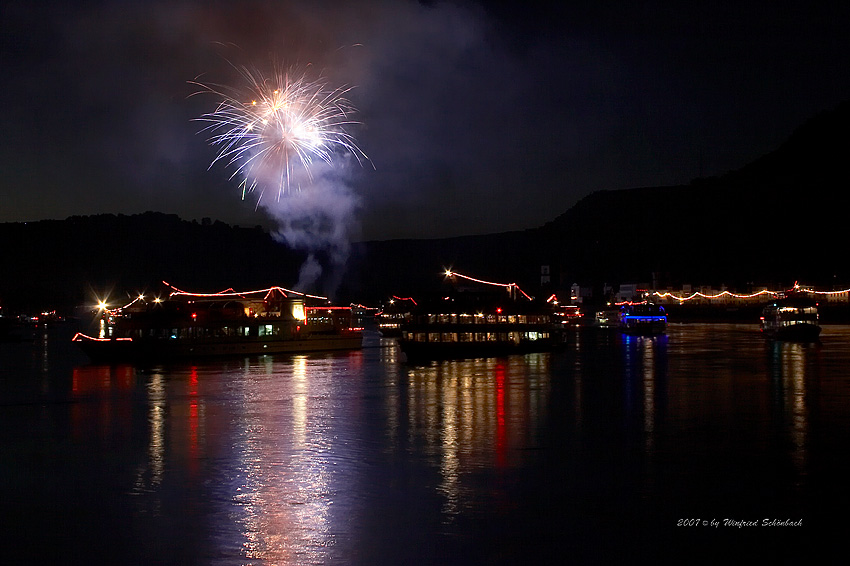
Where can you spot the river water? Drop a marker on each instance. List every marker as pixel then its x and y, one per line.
pixel 618 448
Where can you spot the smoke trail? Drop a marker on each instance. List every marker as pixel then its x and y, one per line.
pixel 319 220
pixel 285 136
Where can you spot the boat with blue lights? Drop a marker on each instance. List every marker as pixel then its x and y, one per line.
pixel 794 318
pixel 643 318
pixel 189 325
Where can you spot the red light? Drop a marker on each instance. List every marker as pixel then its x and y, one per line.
pixel 194 315
pixel 499 310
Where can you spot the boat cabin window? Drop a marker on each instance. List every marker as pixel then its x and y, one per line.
pixel 266 330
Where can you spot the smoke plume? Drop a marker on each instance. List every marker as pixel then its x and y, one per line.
pixel 318 219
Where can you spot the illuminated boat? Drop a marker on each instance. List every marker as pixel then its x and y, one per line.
pixel 188 325
pixel 793 318
pixel 606 318
pixel 391 317
pixel 643 318
pixel 471 324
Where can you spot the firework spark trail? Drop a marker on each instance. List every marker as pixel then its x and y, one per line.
pixel 282 133
pixel 275 124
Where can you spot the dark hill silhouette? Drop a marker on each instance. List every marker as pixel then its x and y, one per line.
pixel 67 262
pixel 777 220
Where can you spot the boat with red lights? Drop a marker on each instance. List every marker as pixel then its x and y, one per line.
pixel 393 315
pixel 793 318
pixel 188 325
pixel 470 323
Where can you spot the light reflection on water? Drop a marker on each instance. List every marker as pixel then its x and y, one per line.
pixel 788 363
pixel 475 414
pixel 287 460
pixel 356 458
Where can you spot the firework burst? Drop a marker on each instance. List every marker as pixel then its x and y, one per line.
pixel 276 127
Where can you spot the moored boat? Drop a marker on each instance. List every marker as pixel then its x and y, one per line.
pixel 792 318
pixel 392 315
pixel 643 318
pixel 188 325
pixel 472 323
pixel 606 318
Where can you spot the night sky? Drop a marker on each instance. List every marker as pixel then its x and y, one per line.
pixel 478 117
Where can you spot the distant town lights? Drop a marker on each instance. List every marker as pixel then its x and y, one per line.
pixel 698 295
pixel 717 296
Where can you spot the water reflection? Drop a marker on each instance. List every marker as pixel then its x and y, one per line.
pixel 286 460
pixel 299 402
pixel 102 407
pixel 261 438
pixel 645 371
pixel 149 475
pixel 788 363
pixel 358 459
pixel 474 415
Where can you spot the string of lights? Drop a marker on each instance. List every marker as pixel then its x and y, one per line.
pixel 508 286
pixel 231 293
pixel 103 306
pixel 698 295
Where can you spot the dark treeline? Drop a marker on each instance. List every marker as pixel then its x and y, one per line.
pixel 58 264
pixel 778 220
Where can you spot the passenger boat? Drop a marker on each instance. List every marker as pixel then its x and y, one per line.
pixel 606 318
pixel 792 318
pixel 472 323
pixel 188 325
pixel 391 317
pixel 643 318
